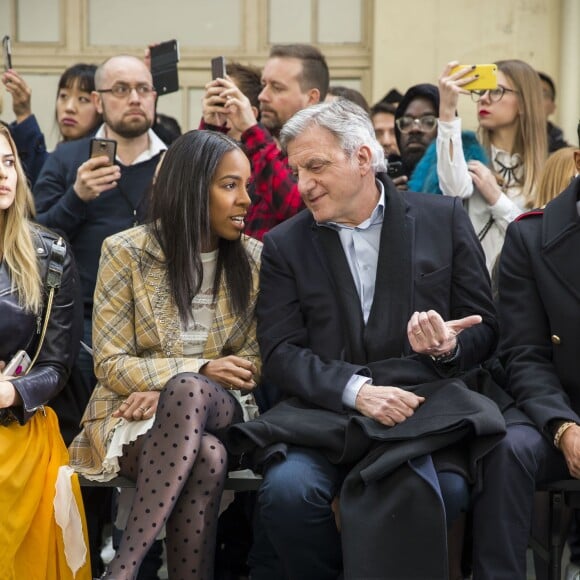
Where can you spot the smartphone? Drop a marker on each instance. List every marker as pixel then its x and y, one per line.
pixel 100 147
pixel 164 59
pixel 17 365
pixel 395 169
pixel 218 67
pixel 486 80
pixel 7 52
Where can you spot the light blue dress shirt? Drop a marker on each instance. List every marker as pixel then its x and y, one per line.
pixel 361 248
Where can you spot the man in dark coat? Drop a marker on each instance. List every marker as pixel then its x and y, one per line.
pixel 539 303
pixel 373 305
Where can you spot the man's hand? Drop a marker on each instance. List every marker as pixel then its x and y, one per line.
pixel 429 334
pixel 401 182
pixel 387 405
pixel 233 372
pixel 213 104
pixel 570 447
pixel 21 94
pixel 95 176
pixel 223 101
pixel 237 107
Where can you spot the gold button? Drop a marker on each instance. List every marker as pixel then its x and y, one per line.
pixel 555 339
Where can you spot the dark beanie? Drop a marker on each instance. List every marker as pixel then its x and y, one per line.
pixel 425 91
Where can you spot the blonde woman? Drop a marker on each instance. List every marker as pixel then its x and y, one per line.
pixel 558 173
pixel 33 458
pixel 512 129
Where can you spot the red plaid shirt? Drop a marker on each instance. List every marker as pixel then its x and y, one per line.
pixel 275 195
pixel 274 192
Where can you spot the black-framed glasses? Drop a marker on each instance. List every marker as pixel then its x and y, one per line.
pixel 122 90
pixel 495 95
pixel 424 124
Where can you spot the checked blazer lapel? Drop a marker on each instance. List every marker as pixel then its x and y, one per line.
pixel 385 334
pixel 165 311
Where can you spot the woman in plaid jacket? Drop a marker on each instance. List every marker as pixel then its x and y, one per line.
pixel 175 353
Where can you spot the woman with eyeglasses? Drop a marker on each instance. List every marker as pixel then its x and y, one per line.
pixel 75 113
pixel 512 129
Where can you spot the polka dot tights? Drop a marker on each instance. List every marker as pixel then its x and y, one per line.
pixel 179 467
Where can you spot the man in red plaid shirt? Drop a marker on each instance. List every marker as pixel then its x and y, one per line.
pixel 295 76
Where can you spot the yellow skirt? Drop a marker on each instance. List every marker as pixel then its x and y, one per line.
pixel 32 544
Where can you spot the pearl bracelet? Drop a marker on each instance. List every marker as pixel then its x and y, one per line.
pixel 560 432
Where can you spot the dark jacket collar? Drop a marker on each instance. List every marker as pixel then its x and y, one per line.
pixel 561 216
pixel 561 237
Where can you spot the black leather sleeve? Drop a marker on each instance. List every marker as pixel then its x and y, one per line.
pixel 60 346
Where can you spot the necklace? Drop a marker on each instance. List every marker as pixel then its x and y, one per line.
pixel 508 172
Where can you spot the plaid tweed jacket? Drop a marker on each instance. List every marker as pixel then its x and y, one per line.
pixel 137 335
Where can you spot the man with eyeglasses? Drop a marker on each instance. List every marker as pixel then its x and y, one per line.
pixel 416 124
pixel 90 199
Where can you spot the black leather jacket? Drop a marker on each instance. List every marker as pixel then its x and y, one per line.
pixel 21 330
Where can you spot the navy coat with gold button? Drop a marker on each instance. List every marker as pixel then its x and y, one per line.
pixel 539 305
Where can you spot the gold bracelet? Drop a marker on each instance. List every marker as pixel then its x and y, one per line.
pixel 560 432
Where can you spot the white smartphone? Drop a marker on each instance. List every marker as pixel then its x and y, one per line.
pixel 17 365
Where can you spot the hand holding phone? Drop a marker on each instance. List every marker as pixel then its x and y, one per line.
pixel 17 365
pixel 95 176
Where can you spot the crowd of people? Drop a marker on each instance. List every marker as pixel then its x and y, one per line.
pixel 376 310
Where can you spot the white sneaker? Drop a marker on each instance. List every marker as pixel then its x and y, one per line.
pixel 572 572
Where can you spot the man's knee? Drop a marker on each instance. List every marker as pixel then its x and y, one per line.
pixel 456 495
pixel 523 446
pixel 301 482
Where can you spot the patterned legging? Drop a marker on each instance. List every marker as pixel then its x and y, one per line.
pixel 180 467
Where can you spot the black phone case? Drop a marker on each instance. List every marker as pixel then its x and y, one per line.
pixel 7 52
pixel 164 59
pixel 218 67
pixel 395 169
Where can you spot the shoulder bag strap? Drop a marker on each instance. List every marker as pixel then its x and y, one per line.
pixel 53 282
